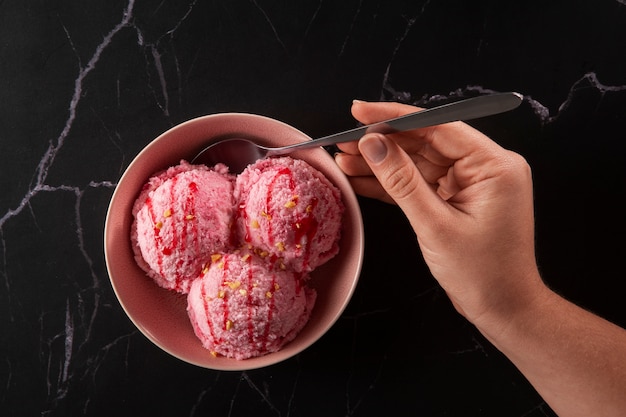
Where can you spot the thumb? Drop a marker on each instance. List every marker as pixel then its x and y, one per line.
pixel 401 179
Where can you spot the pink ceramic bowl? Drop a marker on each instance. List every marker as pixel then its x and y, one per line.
pixel 161 314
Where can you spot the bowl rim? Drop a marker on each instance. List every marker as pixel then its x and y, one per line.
pixel 228 364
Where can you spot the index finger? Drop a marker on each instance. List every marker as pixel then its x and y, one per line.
pixel 373 112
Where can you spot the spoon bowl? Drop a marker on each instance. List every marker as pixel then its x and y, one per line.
pixel 237 153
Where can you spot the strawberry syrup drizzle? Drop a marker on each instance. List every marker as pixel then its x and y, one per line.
pixel 225 310
pixel 306 226
pixel 270 313
pixel 270 191
pixel 205 302
pixel 188 208
pixel 168 250
pixel 249 302
pixel 250 308
pixel 158 239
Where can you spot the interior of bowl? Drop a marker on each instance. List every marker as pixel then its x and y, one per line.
pixel 161 314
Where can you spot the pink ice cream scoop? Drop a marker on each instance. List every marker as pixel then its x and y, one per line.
pixel 289 210
pixel 182 216
pixel 244 306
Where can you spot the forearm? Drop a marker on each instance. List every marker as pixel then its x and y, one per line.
pixel 574 359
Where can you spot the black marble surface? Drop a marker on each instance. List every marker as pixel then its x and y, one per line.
pixel 84 85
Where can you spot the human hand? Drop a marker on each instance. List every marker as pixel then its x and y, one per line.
pixel 469 201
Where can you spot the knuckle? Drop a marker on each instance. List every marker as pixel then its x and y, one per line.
pixel 517 166
pixel 402 182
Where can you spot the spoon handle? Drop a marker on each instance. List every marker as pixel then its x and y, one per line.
pixel 471 108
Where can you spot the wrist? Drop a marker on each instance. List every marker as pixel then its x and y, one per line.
pixel 522 304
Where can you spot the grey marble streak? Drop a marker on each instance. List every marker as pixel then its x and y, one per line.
pixel 143 68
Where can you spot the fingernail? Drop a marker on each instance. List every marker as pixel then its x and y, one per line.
pixel 355 101
pixel 373 148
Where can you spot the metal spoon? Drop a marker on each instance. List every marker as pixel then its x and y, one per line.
pixel 238 153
